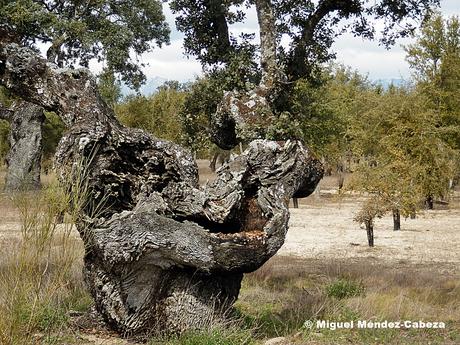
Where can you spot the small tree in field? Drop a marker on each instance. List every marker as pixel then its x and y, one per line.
pixel 373 208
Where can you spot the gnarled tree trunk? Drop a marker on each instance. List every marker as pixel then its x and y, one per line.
pixel 24 158
pixel 164 252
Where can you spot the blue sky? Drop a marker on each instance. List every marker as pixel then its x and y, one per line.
pixel 367 57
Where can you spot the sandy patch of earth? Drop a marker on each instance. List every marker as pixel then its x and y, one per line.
pixel 325 229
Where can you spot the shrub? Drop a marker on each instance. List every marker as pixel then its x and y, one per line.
pixel 40 273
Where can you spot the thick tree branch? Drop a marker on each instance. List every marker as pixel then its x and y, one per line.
pixel 297 67
pixel 241 116
pixel 24 157
pixel 219 24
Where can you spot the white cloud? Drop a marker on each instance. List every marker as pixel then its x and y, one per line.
pixel 181 70
pixel 450 7
pixel 368 57
pixel 378 65
pixel 170 62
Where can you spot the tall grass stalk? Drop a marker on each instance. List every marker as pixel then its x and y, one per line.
pixel 40 272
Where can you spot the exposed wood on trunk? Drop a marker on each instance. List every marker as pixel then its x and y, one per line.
pixel 165 252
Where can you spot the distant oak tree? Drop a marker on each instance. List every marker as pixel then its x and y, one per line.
pixel 76 32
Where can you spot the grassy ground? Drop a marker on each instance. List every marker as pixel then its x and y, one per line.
pixel 40 275
pixel 43 299
pixel 288 291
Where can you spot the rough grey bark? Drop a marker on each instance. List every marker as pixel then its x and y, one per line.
pixel 267 26
pixel 164 253
pixel 5 113
pixel 246 115
pixel 24 158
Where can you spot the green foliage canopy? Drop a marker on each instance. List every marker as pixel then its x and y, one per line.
pixel 79 31
pixel 158 114
pixel 435 60
pixel 312 27
pixel 404 158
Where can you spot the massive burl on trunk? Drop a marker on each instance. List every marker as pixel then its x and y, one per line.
pixel 164 252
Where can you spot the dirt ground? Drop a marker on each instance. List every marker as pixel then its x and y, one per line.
pixel 323 228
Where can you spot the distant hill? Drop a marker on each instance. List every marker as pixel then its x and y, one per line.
pixel 387 82
pixel 147 89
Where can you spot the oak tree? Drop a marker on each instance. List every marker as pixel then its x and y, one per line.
pixel 263 75
pixel 435 60
pixel 403 155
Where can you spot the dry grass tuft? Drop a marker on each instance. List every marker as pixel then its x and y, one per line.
pixel 40 273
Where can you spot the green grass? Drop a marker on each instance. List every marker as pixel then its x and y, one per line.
pixel 277 300
pixel 343 288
